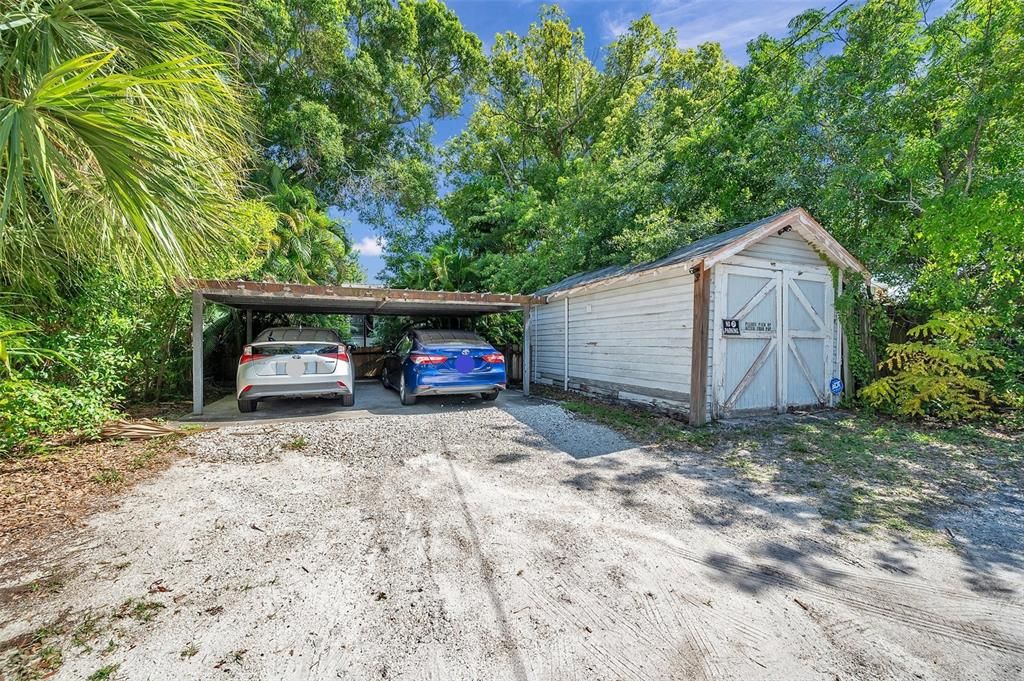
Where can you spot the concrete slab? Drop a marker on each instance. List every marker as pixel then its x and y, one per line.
pixel 371 398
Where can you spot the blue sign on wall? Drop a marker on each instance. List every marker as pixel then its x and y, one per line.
pixel 836 386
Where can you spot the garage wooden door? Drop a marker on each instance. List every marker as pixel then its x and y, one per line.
pixel 773 331
pixel 808 314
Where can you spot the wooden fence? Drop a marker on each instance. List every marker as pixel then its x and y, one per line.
pixel 368 362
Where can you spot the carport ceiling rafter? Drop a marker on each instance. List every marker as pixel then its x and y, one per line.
pixel 342 299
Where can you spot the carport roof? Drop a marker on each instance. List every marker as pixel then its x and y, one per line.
pixel 344 299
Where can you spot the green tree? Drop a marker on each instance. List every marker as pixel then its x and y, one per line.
pixel 348 91
pixel 561 167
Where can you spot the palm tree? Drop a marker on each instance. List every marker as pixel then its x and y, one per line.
pixel 122 137
pixel 442 268
pixel 307 246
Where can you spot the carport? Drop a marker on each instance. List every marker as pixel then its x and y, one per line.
pixel 250 296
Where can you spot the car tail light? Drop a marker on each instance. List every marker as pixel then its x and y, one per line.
pixel 342 384
pixel 494 358
pixel 246 389
pixel 340 354
pixel 420 358
pixel 249 356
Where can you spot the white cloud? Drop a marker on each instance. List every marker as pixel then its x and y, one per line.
pixel 369 246
pixel 731 23
pixel 615 24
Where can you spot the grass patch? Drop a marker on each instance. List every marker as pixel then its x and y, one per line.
pixel 889 474
pixel 35 655
pixel 109 476
pixel 104 673
pixel 139 609
pixel 641 424
pixel 297 443
pixel 47 585
pixel 871 472
pixel 144 459
pixel 190 650
pixel 86 631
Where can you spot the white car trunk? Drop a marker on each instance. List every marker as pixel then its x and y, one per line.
pixel 294 359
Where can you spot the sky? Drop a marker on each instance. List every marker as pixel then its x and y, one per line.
pixel 730 22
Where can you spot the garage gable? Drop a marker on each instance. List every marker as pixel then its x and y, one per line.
pixel 796 221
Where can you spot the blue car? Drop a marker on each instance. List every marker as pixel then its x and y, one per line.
pixel 437 362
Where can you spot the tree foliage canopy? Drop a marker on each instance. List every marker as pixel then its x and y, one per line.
pixel 901 130
pixel 348 90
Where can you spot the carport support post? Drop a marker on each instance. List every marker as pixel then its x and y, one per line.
pixel 197 352
pixel 526 350
pixel 248 327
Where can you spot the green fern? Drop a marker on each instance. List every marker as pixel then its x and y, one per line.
pixel 935 374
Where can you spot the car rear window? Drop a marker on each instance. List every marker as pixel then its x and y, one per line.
pixel 298 349
pixel 443 337
pixel 297 334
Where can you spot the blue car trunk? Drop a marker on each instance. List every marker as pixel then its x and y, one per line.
pixel 461 360
pixel 463 366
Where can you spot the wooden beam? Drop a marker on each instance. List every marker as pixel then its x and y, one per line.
pixel 197 352
pixel 526 350
pixel 845 349
pixel 699 353
pixel 248 327
pixel 266 289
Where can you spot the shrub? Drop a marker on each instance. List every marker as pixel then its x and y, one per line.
pixel 936 373
pixel 32 412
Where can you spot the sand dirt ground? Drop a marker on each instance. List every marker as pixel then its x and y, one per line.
pixel 502 543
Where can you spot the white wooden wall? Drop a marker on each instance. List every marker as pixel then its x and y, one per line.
pixel 789 247
pixel 631 340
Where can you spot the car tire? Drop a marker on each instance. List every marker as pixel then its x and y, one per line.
pixel 407 399
pixel 348 400
pixel 246 406
pixel 490 396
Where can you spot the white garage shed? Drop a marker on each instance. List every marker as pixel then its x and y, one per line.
pixel 741 322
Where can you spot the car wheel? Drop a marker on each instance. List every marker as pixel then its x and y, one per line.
pixel 407 399
pixel 246 406
pixel 493 395
pixel 348 400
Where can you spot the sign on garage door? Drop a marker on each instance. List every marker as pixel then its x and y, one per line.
pixel 773 333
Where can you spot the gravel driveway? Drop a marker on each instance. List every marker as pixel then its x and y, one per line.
pixel 503 543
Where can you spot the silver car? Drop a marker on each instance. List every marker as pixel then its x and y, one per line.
pixel 294 362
